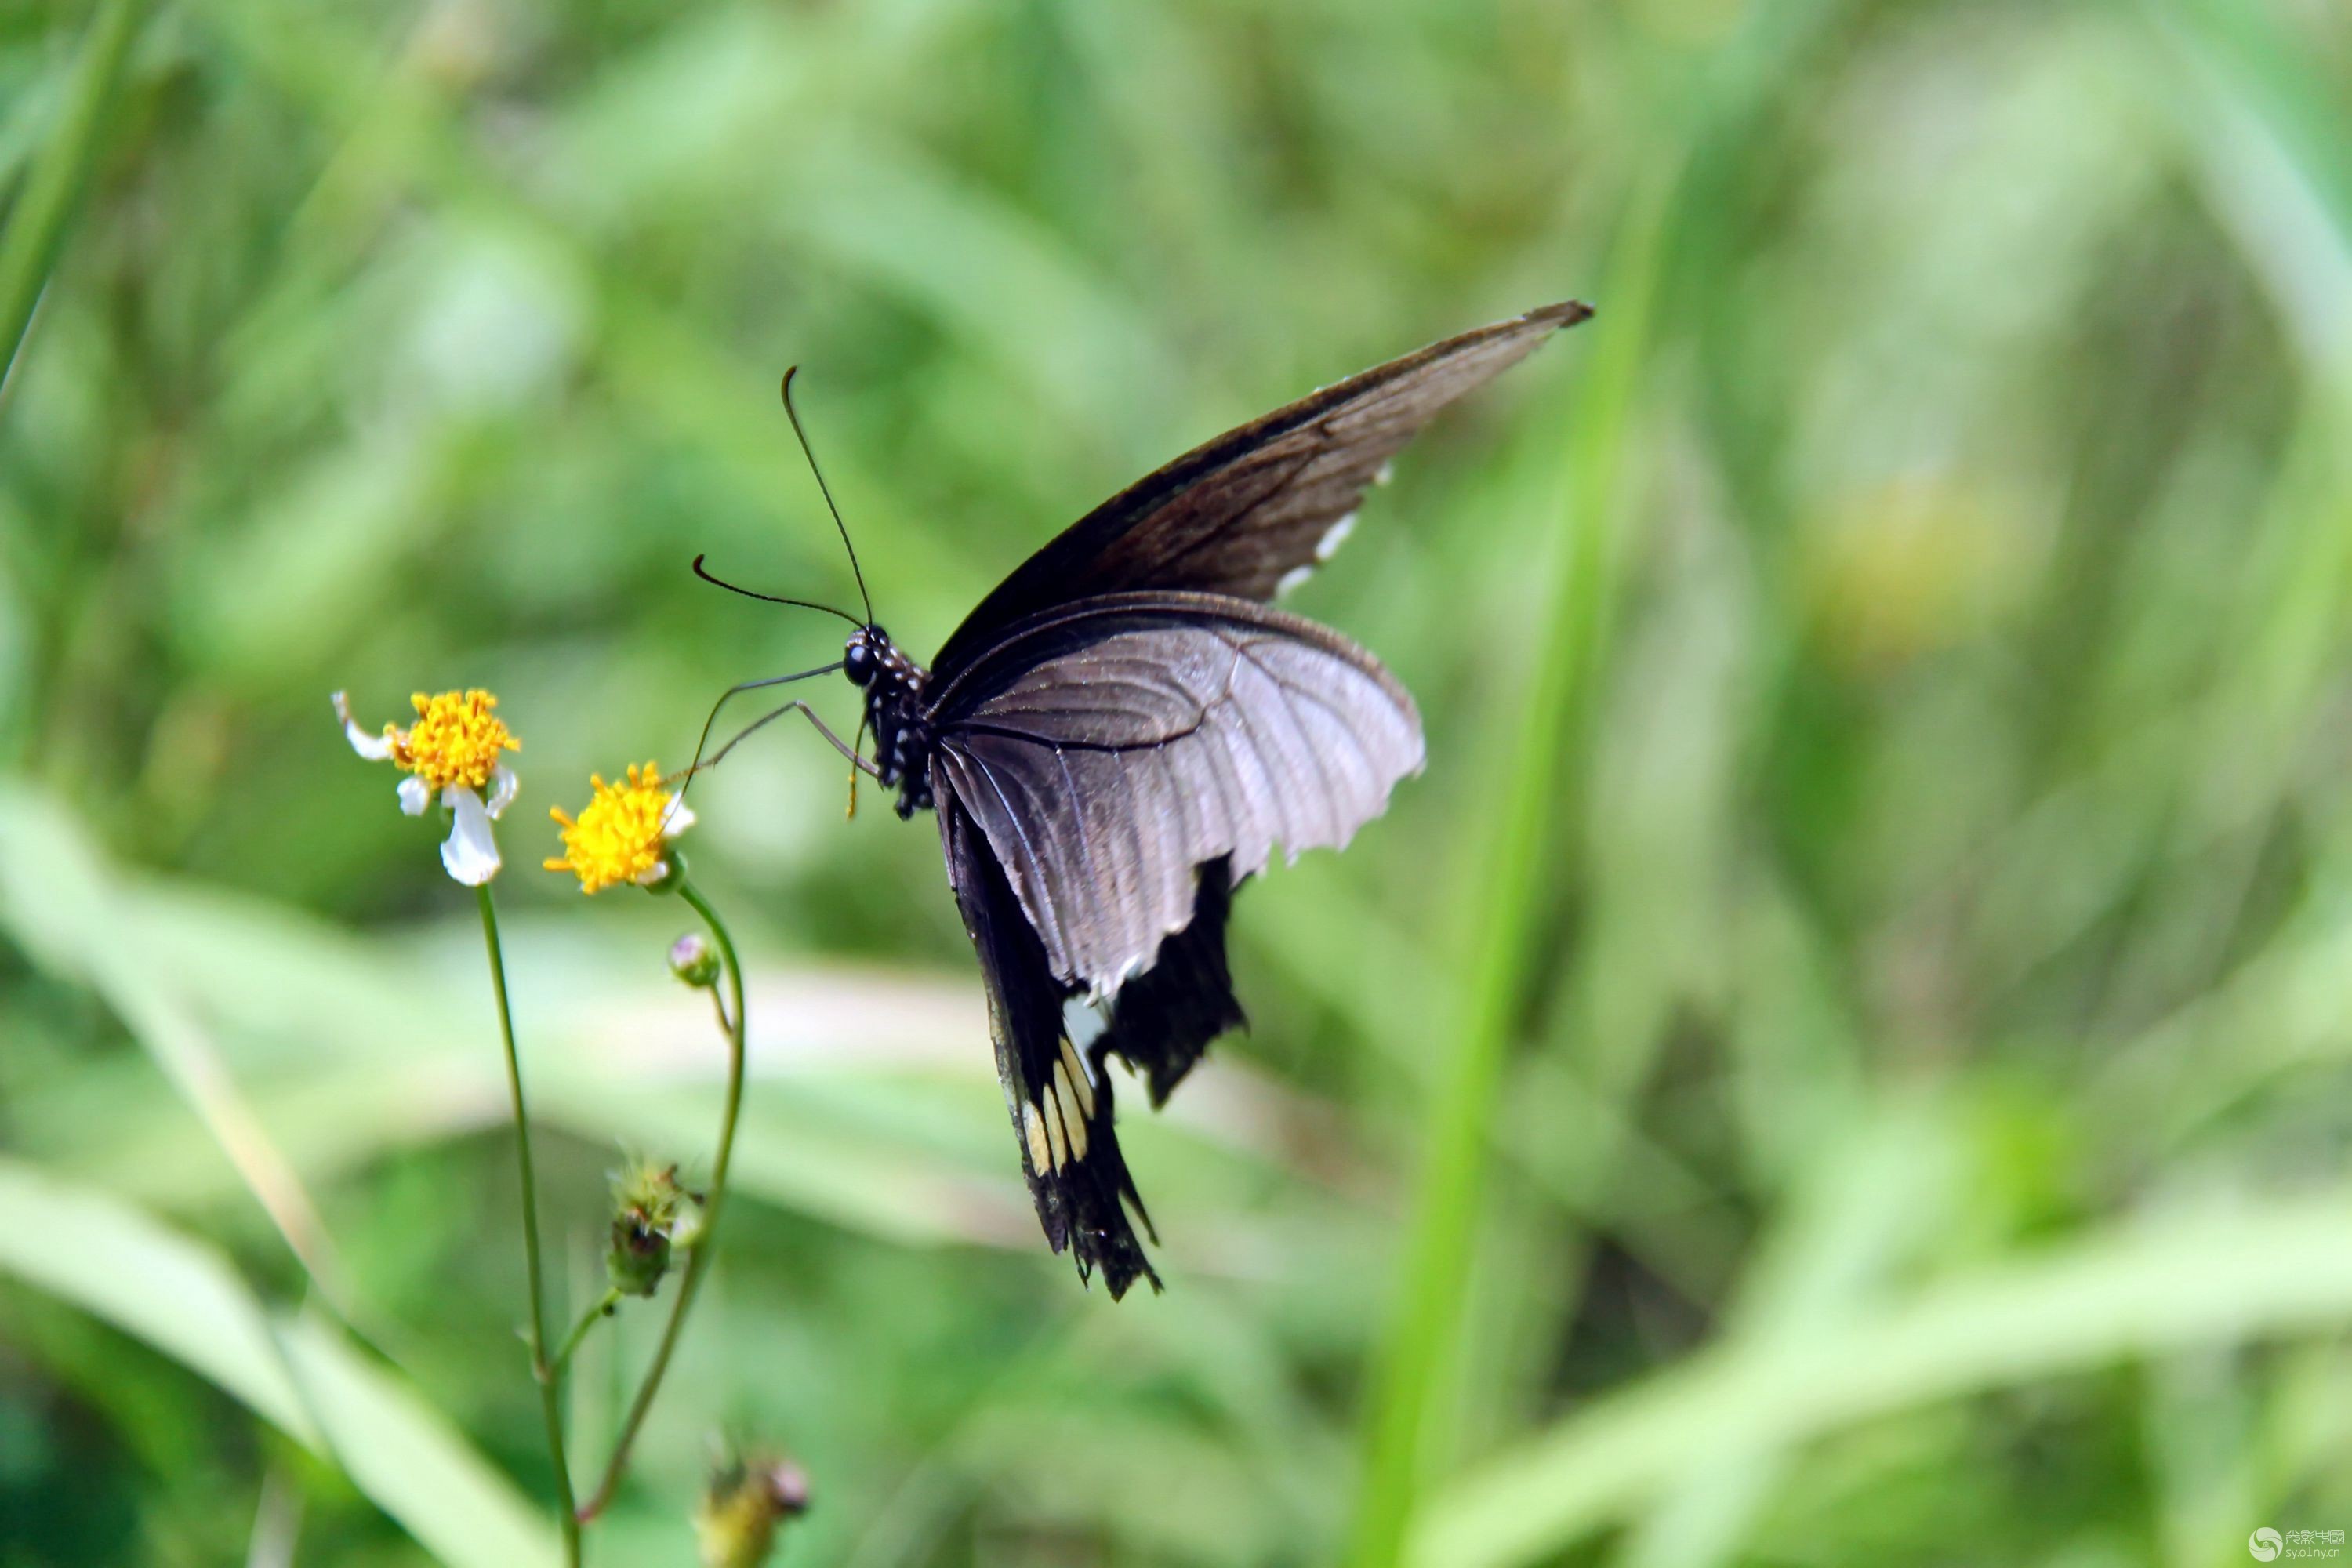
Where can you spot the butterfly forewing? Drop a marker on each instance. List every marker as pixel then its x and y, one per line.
pixel 1239 514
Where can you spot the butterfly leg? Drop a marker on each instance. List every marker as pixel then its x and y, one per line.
pixel 805 711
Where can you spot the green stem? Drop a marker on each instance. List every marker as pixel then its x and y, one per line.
pixel 541 1372
pixel 54 186
pixel 699 1262
pixel 588 1320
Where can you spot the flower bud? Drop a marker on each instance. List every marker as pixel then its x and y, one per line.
pixel 637 1258
pixel 735 1524
pixel 652 1216
pixel 694 961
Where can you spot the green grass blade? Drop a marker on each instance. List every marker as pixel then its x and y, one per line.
pixel 1416 1365
pixel 57 898
pixel 2135 1291
pixel 53 189
pixel 115 1263
pixel 181 1296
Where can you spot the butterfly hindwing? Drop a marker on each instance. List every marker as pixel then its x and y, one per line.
pixel 1107 750
pixel 1163 1019
pixel 1061 1104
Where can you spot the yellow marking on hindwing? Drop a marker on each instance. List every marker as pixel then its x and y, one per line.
pixel 1077 1133
pixel 1074 1080
pixel 1033 1127
pixel 1053 1133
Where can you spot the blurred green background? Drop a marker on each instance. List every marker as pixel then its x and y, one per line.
pixel 1855 1016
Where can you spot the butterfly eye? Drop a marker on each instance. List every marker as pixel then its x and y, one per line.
pixel 857 659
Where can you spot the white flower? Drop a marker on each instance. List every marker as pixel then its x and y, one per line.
pixel 454 751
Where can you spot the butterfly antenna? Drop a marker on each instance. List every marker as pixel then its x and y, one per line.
pixel 771 598
pixel 824 489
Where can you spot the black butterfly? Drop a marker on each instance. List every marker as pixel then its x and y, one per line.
pixel 1120 734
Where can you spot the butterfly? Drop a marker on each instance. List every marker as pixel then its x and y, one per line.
pixel 1121 733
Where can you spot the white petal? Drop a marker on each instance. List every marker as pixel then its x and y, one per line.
pixel 470 853
pixel 679 818
pixel 415 794
pixel 652 876
pixel 503 784
pixel 375 748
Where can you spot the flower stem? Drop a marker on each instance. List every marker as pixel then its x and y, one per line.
pixel 541 1372
pixel 598 1308
pixel 733 1020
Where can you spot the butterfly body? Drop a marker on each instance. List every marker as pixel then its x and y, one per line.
pixel 1125 730
pixel 894 685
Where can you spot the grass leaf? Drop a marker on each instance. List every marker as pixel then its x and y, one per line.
pixel 2140 1289
pixel 302 1375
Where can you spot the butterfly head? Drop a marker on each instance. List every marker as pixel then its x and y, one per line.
pixel 861 656
pixel 873 661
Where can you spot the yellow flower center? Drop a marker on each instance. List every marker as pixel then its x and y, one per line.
pixel 617 836
pixel 455 740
